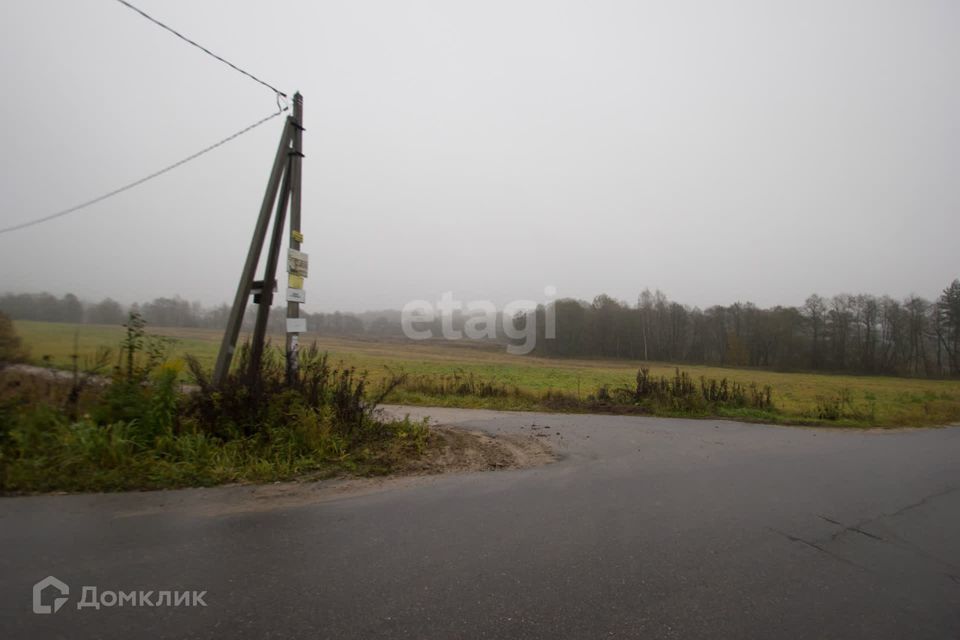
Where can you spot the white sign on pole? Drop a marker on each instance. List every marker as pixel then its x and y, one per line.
pixel 297 263
pixel 296 295
pixel 296 325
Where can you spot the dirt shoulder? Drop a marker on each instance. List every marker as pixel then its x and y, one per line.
pixel 452 450
pixel 459 450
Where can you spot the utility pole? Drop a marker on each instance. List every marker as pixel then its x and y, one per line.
pixel 286 168
pixel 264 300
pixel 296 237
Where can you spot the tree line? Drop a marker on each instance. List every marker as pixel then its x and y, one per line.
pixel 854 333
pixel 170 312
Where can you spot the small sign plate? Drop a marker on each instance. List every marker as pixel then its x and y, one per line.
pixel 297 263
pixel 296 325
pixel 296 295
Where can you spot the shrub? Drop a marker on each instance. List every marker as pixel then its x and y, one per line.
pixel 681 394
pixel 249 403
pixel 143 431
pixel 11 349
pixel 459 384
pixel 841 406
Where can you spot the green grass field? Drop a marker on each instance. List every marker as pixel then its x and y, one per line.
pixel 889 402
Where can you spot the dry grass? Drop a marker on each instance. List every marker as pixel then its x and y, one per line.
pixel 876 400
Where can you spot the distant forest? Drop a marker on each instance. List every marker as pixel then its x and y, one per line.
pixel 850 333
pixel 845 333
pixel 177 312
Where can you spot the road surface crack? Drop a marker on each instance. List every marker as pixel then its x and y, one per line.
pixel 814 545
pixel 856 528
pixel 923 501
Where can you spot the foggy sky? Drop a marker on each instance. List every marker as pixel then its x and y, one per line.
pixel 720 151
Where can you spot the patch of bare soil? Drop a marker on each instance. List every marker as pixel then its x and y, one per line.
pixel 459 450
pixel 451 450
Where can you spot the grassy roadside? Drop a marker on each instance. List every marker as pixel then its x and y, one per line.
pixel 43 450
pixel 137 429
pixel 532 383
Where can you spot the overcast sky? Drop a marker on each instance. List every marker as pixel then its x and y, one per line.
pixel 720 151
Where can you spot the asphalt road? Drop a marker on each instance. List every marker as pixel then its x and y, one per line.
pixel 645 528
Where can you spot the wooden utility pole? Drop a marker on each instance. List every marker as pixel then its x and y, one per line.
pixel 265 299
pixel 296 237
pixel 286 168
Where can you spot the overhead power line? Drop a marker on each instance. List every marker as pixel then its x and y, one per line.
pixel 202 48
pixel 135 183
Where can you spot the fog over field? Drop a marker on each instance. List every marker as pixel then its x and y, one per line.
pixel 749 150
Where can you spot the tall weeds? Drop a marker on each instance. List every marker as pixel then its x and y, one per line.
pixel 141 430
pixel 678 394
pixel 683 394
